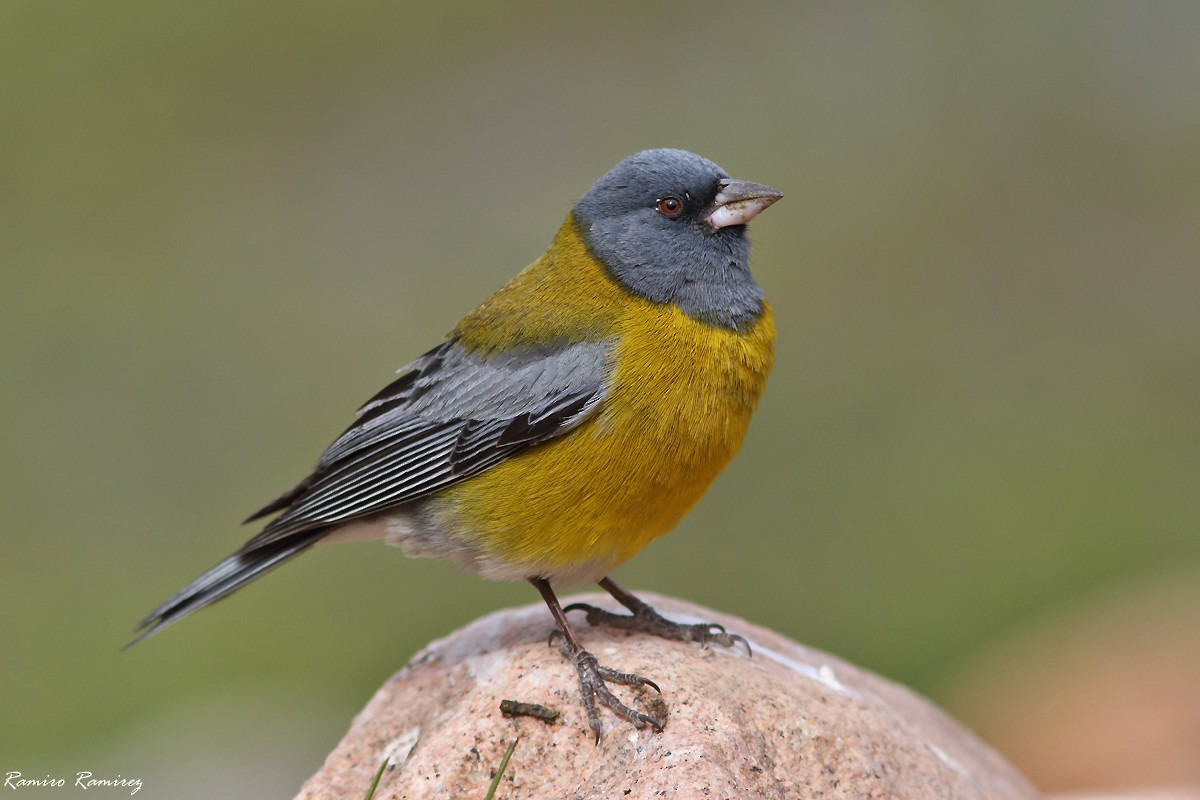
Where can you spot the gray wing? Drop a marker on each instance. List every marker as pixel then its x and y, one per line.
pixel 450 416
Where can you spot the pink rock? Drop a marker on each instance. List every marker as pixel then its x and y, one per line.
pixel 1132 794
pixel 789 722
pixel 1102 695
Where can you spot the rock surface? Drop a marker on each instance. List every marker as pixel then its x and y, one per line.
pixel 789 722
pixel 1133 794
pixel 1101 695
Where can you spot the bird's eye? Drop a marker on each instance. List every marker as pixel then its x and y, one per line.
pixel 670 206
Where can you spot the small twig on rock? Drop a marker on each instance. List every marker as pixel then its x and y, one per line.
pixel 515 708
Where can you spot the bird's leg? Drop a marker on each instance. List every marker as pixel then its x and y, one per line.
pixel 593 678
pixel 645 619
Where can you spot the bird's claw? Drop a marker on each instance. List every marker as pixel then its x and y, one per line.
pixel 593 686
pixel 646 620
pixel 593 680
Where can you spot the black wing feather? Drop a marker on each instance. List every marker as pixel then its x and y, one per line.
pixel 452 415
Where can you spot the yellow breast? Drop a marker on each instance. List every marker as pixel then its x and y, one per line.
pixel 680 397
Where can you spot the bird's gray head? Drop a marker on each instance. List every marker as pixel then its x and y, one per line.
pixel 670 226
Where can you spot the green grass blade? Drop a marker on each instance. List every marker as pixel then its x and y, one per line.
pixel 500 772
pixel 378 775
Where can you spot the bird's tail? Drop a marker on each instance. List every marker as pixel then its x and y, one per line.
pixel 234 572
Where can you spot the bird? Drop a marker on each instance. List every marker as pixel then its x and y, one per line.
pixel 574 416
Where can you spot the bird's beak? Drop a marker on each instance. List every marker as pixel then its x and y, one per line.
pixel 738 202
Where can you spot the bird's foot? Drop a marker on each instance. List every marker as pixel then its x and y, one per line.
pixel 646 620
pixel 593 686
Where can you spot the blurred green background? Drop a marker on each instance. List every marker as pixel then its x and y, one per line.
pixel 224 225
